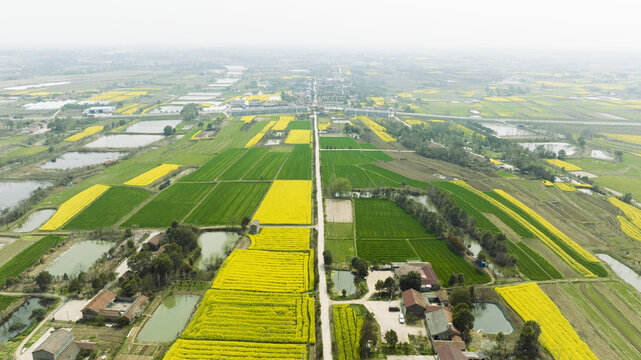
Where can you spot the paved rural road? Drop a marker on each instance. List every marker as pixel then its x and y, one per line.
pixel 322 283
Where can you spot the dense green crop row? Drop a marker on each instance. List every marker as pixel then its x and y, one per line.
pixel 299 125
pixel 244 164
pixel 172 204
pixel 28 257
pixel 343 142
pixel 299 164
pixel 215 166
pixel 385 250
pixel 108 209
pixel 228 203
pixel 383 219
pixel 5 301
pixel 531 264
pixel 268 167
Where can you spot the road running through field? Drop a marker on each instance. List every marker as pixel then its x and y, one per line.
pixel 320 227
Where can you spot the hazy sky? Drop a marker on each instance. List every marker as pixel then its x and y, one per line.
pixel 413 24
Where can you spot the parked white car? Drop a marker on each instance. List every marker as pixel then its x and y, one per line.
pixel 401 318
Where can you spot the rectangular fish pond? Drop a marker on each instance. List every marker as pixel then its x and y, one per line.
pixel 169 320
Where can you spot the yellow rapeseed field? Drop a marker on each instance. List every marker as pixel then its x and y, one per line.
pixel 632 139
pixel 237 350
pixel 414 122
pixel 557 335
pixel 565 187
pixel 547 183
pixel 299 137
pixel 576 247
pixel 324 125
pixel 128 109
pixel 379 130
pixel 287 202
pixel 284 239
pixel 71 207
pixel 253 141
pixel 563 165
pixel 632 212
pixel 86 132
pixel 496 162
pixel 119 95
pixel 248 118
pixel 282 123
pixel 629 228
pixel 152 175
pixel 267 271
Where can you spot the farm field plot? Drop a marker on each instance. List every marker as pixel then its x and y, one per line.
pixel 378 129
pixel 228 203
pixel 244 164
pixel 8 252
pixel 299 137
pixel 112 206
pixel 342 250
pixel 563 165
pixel 171 204
pixel 546 231
pixel 214 167
pixel 343 142
pixel 350 157
pixel 282 239
pixel 253 141
pixel 531 264
pixel 252 316
pixel 385 250
pixel 299 125
pixel 282 123
pixel 629 228
pixel 445 261
pixel 559 247
pixel 623 176
pixel 557 335
pixel 287 202
pixel 26 258
pixel 266 271
pixel 73 206
pixel 383 219
pixel 605 314
pixel 298 165
pixel 347 332
pixel 239 350
pixel 267 167
pixel 86 132
pixel 393 176
pixel 151 176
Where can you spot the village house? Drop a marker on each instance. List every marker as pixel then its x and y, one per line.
pixel 58 346
pixel 413 302
pixel 112 307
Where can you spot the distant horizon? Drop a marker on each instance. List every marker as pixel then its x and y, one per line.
pixel 379 25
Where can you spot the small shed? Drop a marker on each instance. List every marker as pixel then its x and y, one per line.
pixel 450 352
pixel 439 325
pixel 413 302
pixel 254 227
pixel 58 346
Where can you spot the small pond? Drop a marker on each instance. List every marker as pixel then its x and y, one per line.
pixel 344 280
pixel 123 141
pixel 152 127
pixel 12 192
pixel 79 258
pixel 169 319
pixel 628 275
pixel 211 246
pixel 75 159
pixel 490 319
pixel 551 146
pixel 34 220
pixel 601 155
pixel 508 130
pixel 20 316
